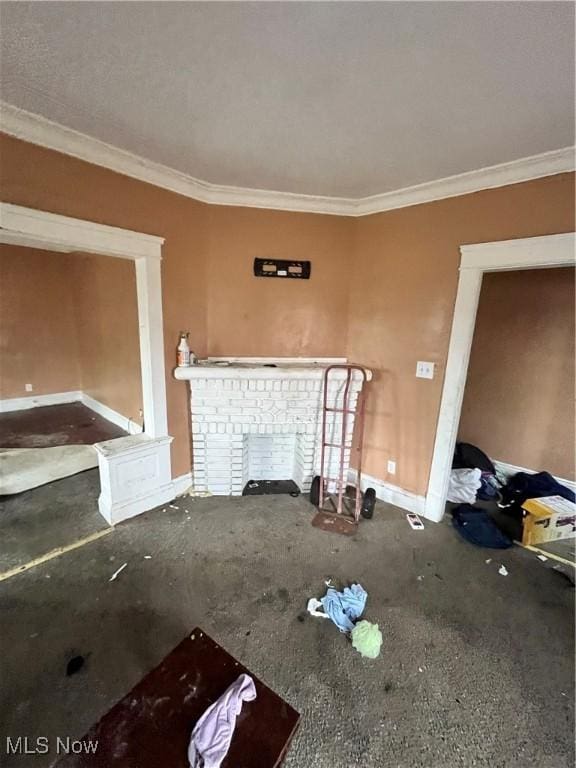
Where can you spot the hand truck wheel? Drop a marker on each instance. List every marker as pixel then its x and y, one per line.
pixel 315 491
pixel 368 503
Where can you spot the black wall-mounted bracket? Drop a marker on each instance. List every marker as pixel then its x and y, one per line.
pixel 282 268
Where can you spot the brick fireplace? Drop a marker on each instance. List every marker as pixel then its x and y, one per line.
pixel 255 422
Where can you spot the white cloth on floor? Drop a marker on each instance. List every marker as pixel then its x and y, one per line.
pixel 463 486
pixel 312 607
pixel 212 734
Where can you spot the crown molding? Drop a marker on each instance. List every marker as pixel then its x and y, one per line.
pixel 515 172
pixel 45 133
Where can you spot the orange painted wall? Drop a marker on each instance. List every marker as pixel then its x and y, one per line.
pixel 68 323
pixel 38 339
pixel 47 180
pixel 255 316
pixel 519 399
pixel 399 282
pixel 106 314
pixel 403 292
pixel 199 242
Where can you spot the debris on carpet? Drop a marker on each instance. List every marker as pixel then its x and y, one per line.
pixel 367 639
pixel 328 521
pixel 312 608
pixel 503 570
pixel 345 609
pixel 117 573
pixel 415 523
pixel 74 665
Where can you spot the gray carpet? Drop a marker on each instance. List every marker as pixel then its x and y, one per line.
pixel 476 669
pixel 41 519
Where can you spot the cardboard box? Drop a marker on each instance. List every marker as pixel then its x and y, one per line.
pixel 548 519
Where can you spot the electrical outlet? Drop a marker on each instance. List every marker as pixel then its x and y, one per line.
pixel 28 387
pixel 424 370
pixel 391 467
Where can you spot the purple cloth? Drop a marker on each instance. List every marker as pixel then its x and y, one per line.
pixel 212 734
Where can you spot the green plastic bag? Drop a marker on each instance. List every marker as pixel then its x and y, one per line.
pixel 367 639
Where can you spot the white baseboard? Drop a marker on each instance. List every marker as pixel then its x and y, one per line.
pixel 110 414
pixel 391 494
pixel 61 398
pixel 510 469
pixel 182 483
pixel 38 401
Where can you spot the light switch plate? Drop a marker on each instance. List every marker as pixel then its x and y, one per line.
pixel 391 467
pixel 424 370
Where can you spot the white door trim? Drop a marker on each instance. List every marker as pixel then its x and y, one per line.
pixel 529 253
pixel 52 232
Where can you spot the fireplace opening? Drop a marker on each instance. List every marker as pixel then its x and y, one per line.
pixel 270 461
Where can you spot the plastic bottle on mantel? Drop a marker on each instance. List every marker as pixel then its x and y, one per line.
pixel 183 351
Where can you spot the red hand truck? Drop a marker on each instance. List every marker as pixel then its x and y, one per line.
pixel 345 505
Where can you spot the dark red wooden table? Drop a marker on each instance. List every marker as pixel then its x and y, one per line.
pixel 151 726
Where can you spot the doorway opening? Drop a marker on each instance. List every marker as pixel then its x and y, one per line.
pixel 134 469
pixel 477 260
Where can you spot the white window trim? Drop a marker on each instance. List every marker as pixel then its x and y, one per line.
pixel 529 253
pixel 52 232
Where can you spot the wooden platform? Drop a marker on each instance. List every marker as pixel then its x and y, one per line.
pixel 151 726
pixel 52 425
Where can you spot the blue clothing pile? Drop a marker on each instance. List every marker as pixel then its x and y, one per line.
pixel 345 607
pixel 476 526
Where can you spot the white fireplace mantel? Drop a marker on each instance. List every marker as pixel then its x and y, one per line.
pixel 262 421
pixel 280 370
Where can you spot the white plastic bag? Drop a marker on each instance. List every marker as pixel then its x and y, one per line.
pixel 463 486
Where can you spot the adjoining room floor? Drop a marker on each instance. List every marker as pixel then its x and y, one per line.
pixel 51 425
pixel 476 669
pixel 54 515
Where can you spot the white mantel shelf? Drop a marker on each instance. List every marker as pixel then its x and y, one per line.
pixel 261 371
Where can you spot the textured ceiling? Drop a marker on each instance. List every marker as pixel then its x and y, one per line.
pixel 341 99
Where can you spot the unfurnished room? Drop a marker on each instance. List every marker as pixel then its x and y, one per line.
pixel 287 384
